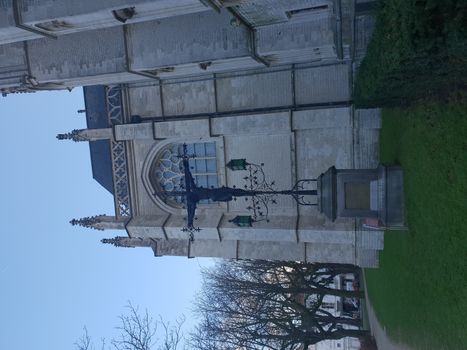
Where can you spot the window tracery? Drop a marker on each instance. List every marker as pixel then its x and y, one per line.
pixel 167 170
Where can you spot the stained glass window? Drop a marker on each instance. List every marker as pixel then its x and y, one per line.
pixel 167 171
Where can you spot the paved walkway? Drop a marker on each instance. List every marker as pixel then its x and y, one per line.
pixel 378 331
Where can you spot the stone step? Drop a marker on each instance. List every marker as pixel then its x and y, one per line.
pixel 370 239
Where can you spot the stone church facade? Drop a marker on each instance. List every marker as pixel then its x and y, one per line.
pixel 267 81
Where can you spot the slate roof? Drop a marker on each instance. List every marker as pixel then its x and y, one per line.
pixel 96 118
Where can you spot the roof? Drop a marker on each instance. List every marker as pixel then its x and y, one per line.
pixel 96 118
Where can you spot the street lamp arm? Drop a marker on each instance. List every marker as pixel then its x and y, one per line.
pixel 260 191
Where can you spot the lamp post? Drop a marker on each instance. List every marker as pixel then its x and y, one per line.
pixel 257 189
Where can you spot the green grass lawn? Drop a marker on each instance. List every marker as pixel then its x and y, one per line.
pixel 420 290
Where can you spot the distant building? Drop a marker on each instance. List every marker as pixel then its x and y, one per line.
pixel 339 306
pixel 268 81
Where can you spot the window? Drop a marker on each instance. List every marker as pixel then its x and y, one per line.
pixel 167 171
pixel 327 305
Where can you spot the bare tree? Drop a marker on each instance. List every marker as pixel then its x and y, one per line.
pixel 138 331
pixel 172 334
pixel 84 342
pixel 256 305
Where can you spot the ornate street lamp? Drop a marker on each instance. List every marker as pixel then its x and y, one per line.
pixel 257 189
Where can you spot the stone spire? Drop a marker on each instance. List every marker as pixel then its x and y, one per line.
pixel 119 242
pixel 129 242
pixel 87 135
pixel 101 222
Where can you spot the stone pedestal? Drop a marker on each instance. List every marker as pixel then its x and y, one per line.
pixel 376 194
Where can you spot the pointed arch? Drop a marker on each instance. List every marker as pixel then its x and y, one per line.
pixel 163 169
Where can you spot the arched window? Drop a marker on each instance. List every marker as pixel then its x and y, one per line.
pixel 166 173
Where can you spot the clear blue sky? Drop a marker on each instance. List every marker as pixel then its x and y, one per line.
pixel 56 278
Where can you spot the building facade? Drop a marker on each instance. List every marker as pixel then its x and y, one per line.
pixel 267 81
pixel 48 44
